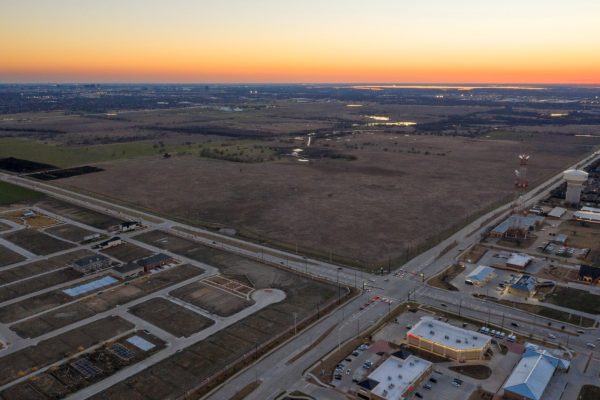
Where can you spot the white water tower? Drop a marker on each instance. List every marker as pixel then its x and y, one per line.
pixel 575 179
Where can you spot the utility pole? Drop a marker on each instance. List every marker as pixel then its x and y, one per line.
pixel 295 330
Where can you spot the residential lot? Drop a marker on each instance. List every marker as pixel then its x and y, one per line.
pixel 60 381
pixel 127 252
pixel 79 214
pixel 8 257
pixel 32 285
pixel 211 299
pixel 54 349
pixel 171 317
pixel 37 242
pixel 68 232
pixel 108 299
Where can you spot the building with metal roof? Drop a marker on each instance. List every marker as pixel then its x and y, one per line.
pixel 523 287
pixel 480 276
pixel 395 378
pixel 519 261
pixel 447 340
pixel 587 214
pixel 557 212
pixel 531 376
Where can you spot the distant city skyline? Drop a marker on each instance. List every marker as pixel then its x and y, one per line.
pixel 309 41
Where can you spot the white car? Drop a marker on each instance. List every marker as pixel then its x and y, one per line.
pixel 591 345
pixel 551 336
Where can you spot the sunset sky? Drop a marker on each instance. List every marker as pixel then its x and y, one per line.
pixel 442 41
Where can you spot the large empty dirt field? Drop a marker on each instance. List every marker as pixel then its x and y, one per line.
pixel 127 252
pixel 171 317
pixel 399 191
pixel 211 299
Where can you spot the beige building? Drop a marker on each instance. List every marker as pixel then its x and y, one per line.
pixel 447 340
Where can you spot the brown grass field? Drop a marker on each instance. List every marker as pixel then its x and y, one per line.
pixel 399 193
pixel 211 299
pixel 69 232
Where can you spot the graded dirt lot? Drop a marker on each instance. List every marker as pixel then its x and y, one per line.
pixel 54 349
pixel 37 242
pixel 69 232
pixel 182 371
pixel 127 252
pixel 8 257
pixel 171 317
pixel 400 191
pixel 211 299
pixel 79 214
pixel 28 270
pixel 108 299
pixel 32 285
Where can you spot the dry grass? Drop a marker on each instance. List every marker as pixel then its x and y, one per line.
pixel 396 196
pixel 38 221
pixel 443 279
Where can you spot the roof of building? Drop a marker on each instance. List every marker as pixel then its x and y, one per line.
pixel 575 175
pixel 129 223
pixel 451 336
pixel 112 239
pixel 587 215
pixel 519 259
pixel 82 262
pixel 129 267
pixel 525 283
pixel 533 373
pixel 589 270
pixel 480 274
pixel 154 259
pixel 90 286
pixel 560 238
pixel 591 209
pixel 517 221
pixel 141 343
pixel 557 212
pixel 395 376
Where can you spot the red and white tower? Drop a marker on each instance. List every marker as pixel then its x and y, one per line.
pixel 521 173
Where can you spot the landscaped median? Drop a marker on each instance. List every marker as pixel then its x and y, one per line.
pixel 558 315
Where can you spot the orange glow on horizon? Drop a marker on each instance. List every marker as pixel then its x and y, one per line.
pixel 337 41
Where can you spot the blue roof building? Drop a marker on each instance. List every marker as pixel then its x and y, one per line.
pixel 532 374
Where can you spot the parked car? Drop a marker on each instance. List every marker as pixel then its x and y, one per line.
pixel 419 395
pixel 433 380
pixel 514 324
pixel 551 336
pixel 591 345
pixel 427 386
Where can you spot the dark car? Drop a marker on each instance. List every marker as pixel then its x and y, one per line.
pixel 348 359
pixel 443 305
pixel 514 324
pixel 433 380
pixel 419 395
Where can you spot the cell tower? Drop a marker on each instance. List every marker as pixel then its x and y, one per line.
pixel 521 173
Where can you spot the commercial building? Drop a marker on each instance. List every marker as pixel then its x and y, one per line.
pixel 523 287
pixel 447 340
pixel 517 227
pixel 518 261
pixel 531 376
pixel 395 379
pixel 587 214
pixel 589 274
pixel 91 264
pixel 480 276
